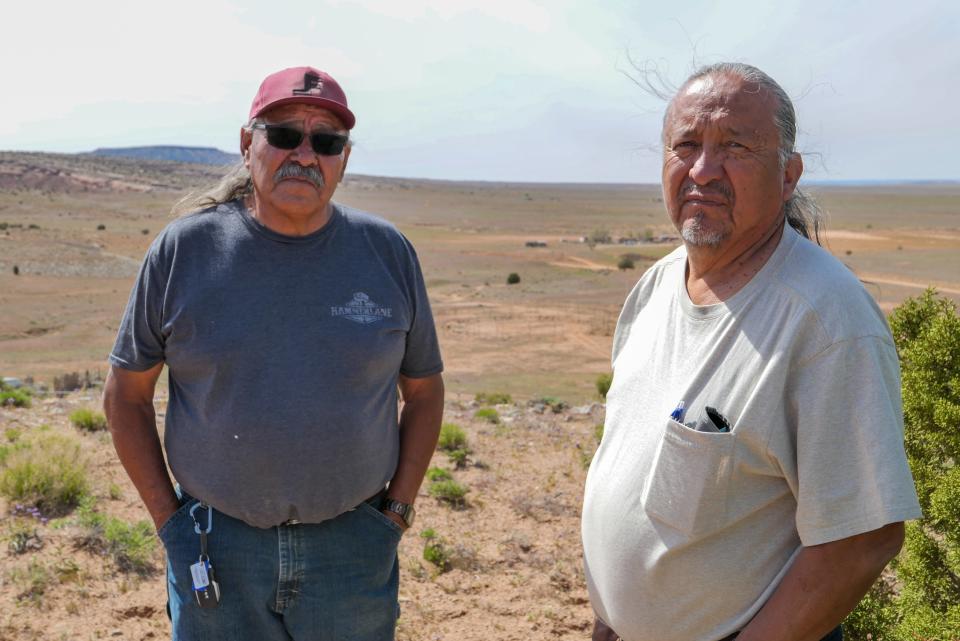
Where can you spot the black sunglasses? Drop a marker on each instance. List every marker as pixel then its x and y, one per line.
pixel 286 137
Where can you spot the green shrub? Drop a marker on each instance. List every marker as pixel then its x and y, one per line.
pixel 13 434
pixel 438 474
pixel 494 398
pixel 598 432
pixel 513 278
pixel 452 437
pixel 926 330
pixel 488 414
pixel 88 420
pixel 458 458
pixel 435 550
pixel 48 472
pixel 15 398
pixel 130 545
pixel 625 263
pixel 448 491
pixel 603 384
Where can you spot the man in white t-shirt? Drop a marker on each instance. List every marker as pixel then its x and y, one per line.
pixel 752 480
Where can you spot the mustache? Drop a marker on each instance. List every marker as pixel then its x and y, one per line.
pixel 293 170
pixel 713 187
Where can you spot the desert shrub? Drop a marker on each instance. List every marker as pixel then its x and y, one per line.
pixel 130 545
pixel 438 474
pixel 458 458
pixel 68 382
pixel 603 384
pixel 32 581
pixel 513 278
pixel 926 330
pixel 555 404
pixel 493 398
pixel 23 537
pixel 598 237
pixel 15 398
pixel 449 492
pixel 12 435
pixel 101 227
pixel 435 550
pixel 625 263
pixel 144 231
pixel 88 420
pixel 488 414
pixel 48 472
pixel 452 437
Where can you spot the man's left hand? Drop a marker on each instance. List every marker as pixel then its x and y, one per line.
pixel 396 518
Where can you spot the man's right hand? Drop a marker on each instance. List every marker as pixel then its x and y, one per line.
pixel 128 404
pixel 160 517
pixel 602 632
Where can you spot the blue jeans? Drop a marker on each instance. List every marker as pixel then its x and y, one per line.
pixel 330 581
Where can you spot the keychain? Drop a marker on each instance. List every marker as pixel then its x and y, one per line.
pixel 206 590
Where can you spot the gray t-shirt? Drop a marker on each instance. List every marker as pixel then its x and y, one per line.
pixel 688 530
pixel 283 356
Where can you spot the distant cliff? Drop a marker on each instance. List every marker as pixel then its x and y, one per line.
pixel 199 155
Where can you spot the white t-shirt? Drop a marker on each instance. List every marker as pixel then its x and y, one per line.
pixel 687 530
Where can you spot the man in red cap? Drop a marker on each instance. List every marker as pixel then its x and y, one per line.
pixel 287 322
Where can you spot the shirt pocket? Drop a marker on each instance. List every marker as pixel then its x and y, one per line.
pixel 688 484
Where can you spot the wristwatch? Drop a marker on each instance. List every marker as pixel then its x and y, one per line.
pixel 404 510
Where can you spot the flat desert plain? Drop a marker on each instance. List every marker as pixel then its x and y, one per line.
pixel 75 228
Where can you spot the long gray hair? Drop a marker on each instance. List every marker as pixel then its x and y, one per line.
pixel 801 211
pixel 236 183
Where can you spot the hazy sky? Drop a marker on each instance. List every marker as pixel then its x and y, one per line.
pixel 525 90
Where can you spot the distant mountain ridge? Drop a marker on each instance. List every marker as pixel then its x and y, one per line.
pixel 196 155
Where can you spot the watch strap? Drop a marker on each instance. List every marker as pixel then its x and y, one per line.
pixel 403 510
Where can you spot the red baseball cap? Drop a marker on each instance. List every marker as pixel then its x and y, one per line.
pixel 305 85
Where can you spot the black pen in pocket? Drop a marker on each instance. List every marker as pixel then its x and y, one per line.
pixel 718 419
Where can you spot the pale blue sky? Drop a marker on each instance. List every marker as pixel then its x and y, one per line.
pixel 524 90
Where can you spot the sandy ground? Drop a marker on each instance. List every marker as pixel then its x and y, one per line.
pixel 515 547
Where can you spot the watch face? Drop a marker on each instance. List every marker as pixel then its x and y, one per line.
pixel 405 511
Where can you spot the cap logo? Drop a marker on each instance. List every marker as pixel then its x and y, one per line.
pixel 312 85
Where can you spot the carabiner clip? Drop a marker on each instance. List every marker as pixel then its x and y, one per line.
pixel 196 523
